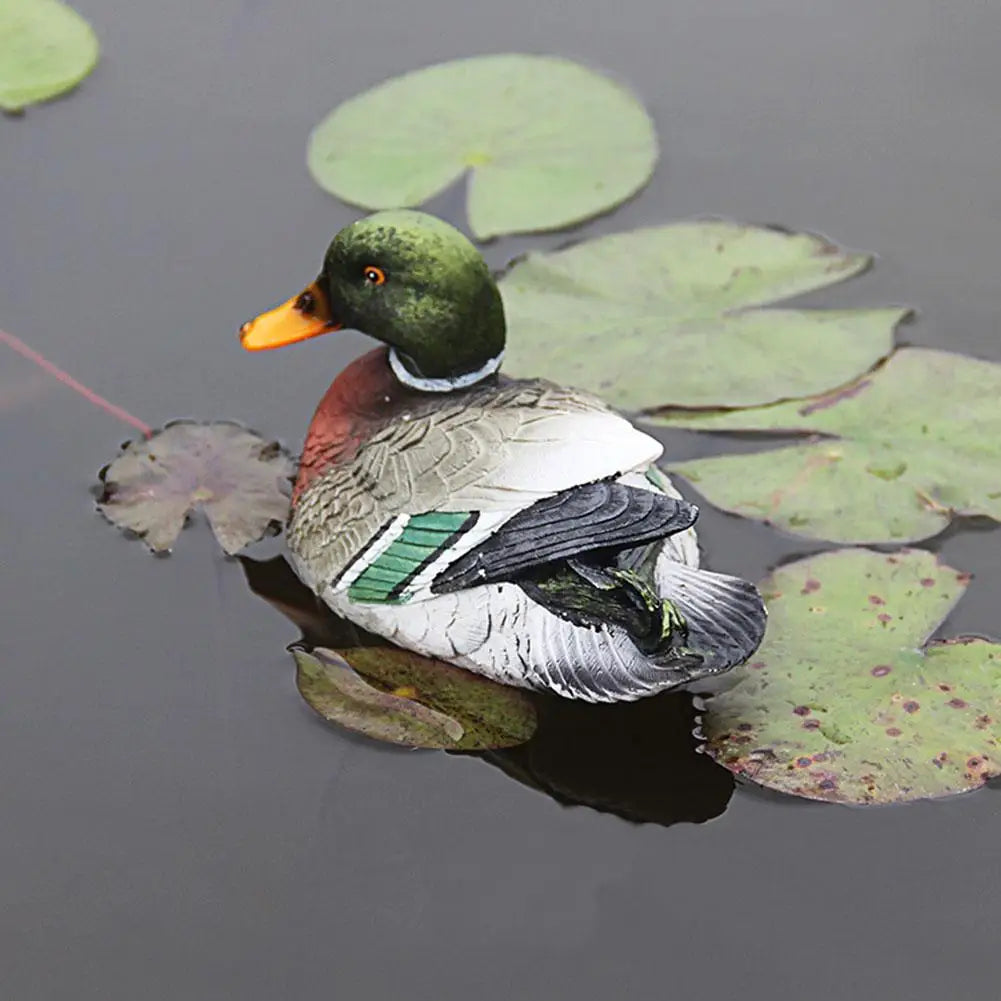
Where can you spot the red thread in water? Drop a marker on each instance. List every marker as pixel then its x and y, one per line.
pixel 66 379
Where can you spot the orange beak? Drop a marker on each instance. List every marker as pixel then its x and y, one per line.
pixel 303 316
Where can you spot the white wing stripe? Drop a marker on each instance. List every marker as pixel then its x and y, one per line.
pixel 370 555
pixel 487 523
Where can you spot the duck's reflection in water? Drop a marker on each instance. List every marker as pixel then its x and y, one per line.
pixel 638 760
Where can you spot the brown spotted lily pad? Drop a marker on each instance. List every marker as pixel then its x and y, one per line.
pixel 847 701
pixel 241 481
pixel 402 698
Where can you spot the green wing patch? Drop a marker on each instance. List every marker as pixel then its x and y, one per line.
pixel 424 538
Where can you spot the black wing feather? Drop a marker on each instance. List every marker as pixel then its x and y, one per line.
pixel 605 515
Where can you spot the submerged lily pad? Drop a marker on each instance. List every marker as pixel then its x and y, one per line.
pixel 846 701
pixel 400 697
pixel 908 448
pixel 548 142
pixel 667 315
pixel 46 49
pixel 241 481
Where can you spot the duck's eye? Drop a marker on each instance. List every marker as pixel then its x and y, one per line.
pixel 375 276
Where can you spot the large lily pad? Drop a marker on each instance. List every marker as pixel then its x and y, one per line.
pixel 402 698
pixel 46 49
pixel 667 315
pixel 547 141
pixel 241 481
pixel 907 449
pixel 844 703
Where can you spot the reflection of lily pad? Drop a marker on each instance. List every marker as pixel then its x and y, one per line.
pixel 666 315
pixel 400 697
pixel 241 481
pixel 46 48
pixel 843 703
pixel 548 142
pixel 917 442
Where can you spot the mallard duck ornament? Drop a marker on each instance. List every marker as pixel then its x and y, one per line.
pixel 513 527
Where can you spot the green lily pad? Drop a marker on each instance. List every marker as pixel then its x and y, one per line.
pixel 548 142
pixel 400 697
pixel 667 315
pixel 46 49
pixel 240 480
pixel 846 701
pixel 907 449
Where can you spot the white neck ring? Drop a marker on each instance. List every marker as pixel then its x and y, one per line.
pixel 441 385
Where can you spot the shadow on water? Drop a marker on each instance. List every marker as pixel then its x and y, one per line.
pixel 638 760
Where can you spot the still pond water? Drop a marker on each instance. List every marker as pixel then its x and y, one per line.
pixel 176 822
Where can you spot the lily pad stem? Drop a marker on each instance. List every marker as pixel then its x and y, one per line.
pixel 67 380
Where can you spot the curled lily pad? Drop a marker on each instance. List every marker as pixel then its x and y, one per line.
pixel 846 701
pixel 402 698
pixel 668 315
pixel 46 49
pixel 904 450
pixel 548 142
pixel 241 481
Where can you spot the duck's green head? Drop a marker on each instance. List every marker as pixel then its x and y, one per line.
pixel 410 281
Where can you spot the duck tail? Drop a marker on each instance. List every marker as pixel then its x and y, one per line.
pixel 711 620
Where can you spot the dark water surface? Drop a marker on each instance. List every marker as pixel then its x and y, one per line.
pixel 176 824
